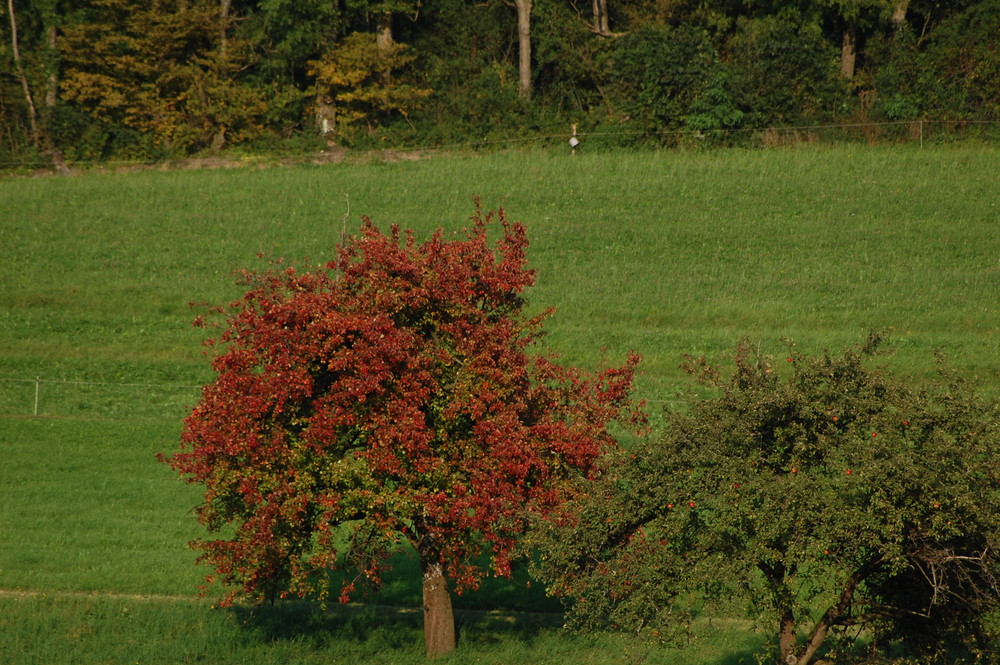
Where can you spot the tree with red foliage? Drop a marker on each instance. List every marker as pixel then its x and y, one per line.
pixel 389 396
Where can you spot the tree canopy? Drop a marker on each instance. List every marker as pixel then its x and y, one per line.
pixel 388 397
pixel 822 492
pixel 105 78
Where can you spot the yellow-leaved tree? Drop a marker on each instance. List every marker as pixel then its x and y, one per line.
pixel 356 87
pixel 168 68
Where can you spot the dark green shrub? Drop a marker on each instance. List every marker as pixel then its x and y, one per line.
pixel 784 71
pixel 822 492
pixel 899 83
pixel 715 110
pixel 654 76
pixel 963 58
pixel 952 72
pixel 83 138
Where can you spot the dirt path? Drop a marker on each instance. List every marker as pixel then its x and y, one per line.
pixel 111 595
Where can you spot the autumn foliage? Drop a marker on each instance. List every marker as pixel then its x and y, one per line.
pixel 390 396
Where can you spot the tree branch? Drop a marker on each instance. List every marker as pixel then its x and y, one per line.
pixel 838 610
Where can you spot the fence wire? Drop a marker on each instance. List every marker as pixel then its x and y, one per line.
pixel 56 398
pixel 896 131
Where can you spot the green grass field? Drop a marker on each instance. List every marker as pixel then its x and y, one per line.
pixel 666 253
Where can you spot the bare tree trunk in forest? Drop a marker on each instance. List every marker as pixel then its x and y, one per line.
pixel 601 25
pixel 524 47
pixel 51 98
pixel 439 617
pixel 19 68
pixel 224 6
pixel 899 13
pixel 326 118
pixel 52 84
pixel 219 139
pixel 384 43
pixel 848 54
pixel 383 33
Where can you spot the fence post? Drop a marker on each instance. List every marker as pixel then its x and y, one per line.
pixel 37 382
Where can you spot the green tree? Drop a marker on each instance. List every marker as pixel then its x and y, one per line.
pixel 286 35
pixel 782 69
pixel 464 52
pixel 20 73
pixel 654 74
pixel 96 77
pixel 31 40
pixel 822 491
pixel 290 33
pixel 960 64
pixel 855 19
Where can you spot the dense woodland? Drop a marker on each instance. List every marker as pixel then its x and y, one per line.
pixel 92 80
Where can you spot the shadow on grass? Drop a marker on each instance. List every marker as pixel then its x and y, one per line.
pixel 368 632
pixel 309 625
pixel 504 621
pixel 740 658
pixel 506 612
pixel 401 587
pixel 390 626
pixel 380 634
pixel 482 627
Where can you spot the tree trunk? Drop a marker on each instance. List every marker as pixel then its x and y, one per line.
pixel 19 68
pixel 836 611
pixel 52 81
pixel 782 600
pixel 524 47
pixel 439 617
pixel 326 118
pixel 51 99
pixel 224 6
pixel 383 35
pixel 787 640
pixel 384 44
pixel 601 25
pixel 848 54
pixel 899 12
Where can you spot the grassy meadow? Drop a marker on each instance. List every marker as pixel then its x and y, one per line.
pixel 667 253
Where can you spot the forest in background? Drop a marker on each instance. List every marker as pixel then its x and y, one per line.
pixel 98 80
